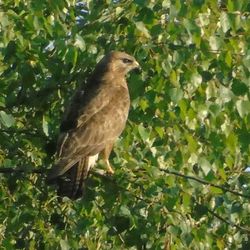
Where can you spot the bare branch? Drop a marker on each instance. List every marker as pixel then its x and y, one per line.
pixel 204 182
pixel 43 171
pixel 244 229
pixel 111 179
pixel 228 222
pixel 19 170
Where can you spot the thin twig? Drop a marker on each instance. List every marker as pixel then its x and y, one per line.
pixel 21 170
pixel 228 222
pixel 43 171
pixel 27 132
pixel 244 229
pixel 204 182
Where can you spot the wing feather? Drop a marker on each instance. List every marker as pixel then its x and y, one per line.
pixel 93 121
pixel 99 122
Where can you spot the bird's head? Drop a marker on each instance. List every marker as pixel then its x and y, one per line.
pixel 121 63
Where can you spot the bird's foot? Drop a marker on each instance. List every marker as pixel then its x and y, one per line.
pixel 110 170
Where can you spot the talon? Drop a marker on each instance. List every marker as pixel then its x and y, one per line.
pixel 106 153
pixel 110 170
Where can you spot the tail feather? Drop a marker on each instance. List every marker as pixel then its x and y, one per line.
pixel 61 167
pixel 71 183
pixel 79 176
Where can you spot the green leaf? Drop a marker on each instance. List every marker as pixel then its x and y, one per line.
pixel 228 59
pixel 124 211
pixel 196 79
pixel 216 190
pixel 143 132
pixel 10 51
pixel 192 143
pixel 64 245
pixel 144 104
pixel 71 56
pixel 160 131
pixel 243 107
pixel 80 43
pixel 205 165
pixel 239 88
pixel 186 200
pixel 120 224
pixel 6 119
pixel 226 94
pixel 176 94
pixel 193 95
pixel 173 77
pixel 45 126
pixel 215 109
pixel 231 142
pixel 142 28
pixel 215 42
pixel 224 22
pixel 246 59
pixel 199 211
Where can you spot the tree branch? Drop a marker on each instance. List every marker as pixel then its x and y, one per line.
pixel 108 178
pixel 188 177
pixel 20 171
pixel 28 132
pixel 228 222
pixel 244 229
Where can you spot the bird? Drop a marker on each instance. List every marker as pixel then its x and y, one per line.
pixel 92 123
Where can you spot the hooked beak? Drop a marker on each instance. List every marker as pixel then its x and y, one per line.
pixel 137 68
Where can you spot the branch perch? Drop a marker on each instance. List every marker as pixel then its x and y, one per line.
pixel 188 177
pixel 108 178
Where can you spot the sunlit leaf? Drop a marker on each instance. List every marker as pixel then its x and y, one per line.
pixel 141 27
pixel 175 94
pixel 143 132
pixel 243 107
pixel 45 126
pixel 188 124
pixel 6 119
pixel 80 43
pixel 224 21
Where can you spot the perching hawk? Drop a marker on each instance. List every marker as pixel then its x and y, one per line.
pixel 95 118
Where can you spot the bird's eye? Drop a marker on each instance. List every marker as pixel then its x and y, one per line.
pixel 126 60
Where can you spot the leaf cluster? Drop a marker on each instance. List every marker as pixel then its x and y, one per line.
pixel 190 114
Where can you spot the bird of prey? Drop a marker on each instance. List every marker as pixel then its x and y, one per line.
pixel 94 120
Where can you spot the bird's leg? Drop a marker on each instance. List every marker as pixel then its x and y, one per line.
pixel 109 168
pixel 106 152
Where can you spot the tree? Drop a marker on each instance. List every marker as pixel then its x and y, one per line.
pixel 180 179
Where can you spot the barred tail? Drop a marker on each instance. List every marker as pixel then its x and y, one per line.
pixel 71 182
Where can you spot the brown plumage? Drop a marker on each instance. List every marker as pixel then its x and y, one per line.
pixel 95 118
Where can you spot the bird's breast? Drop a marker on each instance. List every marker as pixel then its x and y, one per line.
pixel 115 114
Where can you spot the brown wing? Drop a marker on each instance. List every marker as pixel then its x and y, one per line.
pixel 98 122
pixel 94 120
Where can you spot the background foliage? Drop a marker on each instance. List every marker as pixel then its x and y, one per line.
pixel 190 114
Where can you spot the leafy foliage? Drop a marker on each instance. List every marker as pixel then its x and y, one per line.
pixel 190 114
